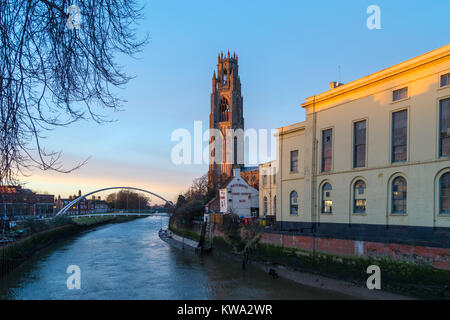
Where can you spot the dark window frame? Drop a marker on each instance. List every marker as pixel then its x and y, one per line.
pixel 265 206
pixel 404 197
pixel 293 206
pixel 327 150
pixel 292 169
pixel 323 206
pixel 395 136
pixel 446 196
pixel 443 135
pixel 396 94
pixel 355 198
pixel 442 83
pixel 358 143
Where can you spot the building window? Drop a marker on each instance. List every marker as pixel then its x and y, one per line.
pixel 445 80
pixel 327 149
pixel 399 136
pixel 400 94
pixel 444 135
pixel 275 205
pixel 274 175
pixel 359 144
pixel 264 178
pixel 399 191
pixel 444 185
pixel 327 200
pixel 359 197
pixel 224 109
pixel 293 198
pixel 294 161
pixel 265 206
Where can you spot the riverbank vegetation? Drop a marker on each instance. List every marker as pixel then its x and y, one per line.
pixel 46 233
pixel 412 279
pixel 190 206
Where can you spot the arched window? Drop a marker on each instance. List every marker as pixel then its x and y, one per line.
pixel 399 191
pixel 265 206
pixel 224 109
pixel 359 197
pixel 444 185
pixel 327 200
pixel 293 198
pixel 275 205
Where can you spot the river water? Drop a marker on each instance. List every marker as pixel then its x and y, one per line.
pixel 129 261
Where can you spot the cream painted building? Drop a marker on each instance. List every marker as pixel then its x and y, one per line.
pixel 238 197
pixel 267 189
pixel 371 160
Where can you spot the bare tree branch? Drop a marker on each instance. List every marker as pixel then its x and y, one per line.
pixel 51 76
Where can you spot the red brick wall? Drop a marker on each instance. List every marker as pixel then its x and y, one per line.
pixel 437 257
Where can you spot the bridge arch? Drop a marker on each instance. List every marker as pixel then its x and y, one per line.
pixel 74 202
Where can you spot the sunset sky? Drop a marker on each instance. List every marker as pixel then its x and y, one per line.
pixel 288 50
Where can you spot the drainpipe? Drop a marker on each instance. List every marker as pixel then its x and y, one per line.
pixel 281 179
pixel 314 182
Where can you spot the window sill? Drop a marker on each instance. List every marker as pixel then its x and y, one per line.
pixel 444 87
pixel 399 214
pixel 402 162
pixel 444 215
pixel 359 214
pixel 327 213
pixel 401 100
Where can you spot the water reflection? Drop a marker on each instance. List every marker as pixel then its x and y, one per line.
pixel 129 261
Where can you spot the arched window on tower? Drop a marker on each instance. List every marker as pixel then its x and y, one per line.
pixel 225 77
pixel 224 109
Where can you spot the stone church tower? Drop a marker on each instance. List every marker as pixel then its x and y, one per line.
pixel 226 149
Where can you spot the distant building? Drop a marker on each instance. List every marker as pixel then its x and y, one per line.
pixel 267 189
pixel 238 197
pixel 19 202
pixel 84 206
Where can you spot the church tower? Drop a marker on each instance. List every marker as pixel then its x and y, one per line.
pixel 226 148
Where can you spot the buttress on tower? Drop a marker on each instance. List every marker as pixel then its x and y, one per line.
pixel 226 122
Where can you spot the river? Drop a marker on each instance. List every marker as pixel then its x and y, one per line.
pixel 129 261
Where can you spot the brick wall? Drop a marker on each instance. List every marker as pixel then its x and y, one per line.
pixel 437 257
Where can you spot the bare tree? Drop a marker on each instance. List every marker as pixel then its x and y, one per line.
pixel 198 190
pixel 53 74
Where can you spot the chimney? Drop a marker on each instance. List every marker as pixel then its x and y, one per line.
pixel 335 84
pixel 237 172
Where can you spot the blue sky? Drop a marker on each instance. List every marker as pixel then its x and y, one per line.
pixel 288 50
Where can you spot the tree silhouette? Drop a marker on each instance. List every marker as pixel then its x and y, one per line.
pixel 52 74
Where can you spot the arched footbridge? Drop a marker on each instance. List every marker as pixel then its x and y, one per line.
pixel 65 210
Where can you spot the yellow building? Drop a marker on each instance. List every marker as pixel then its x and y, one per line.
pixel 371 160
